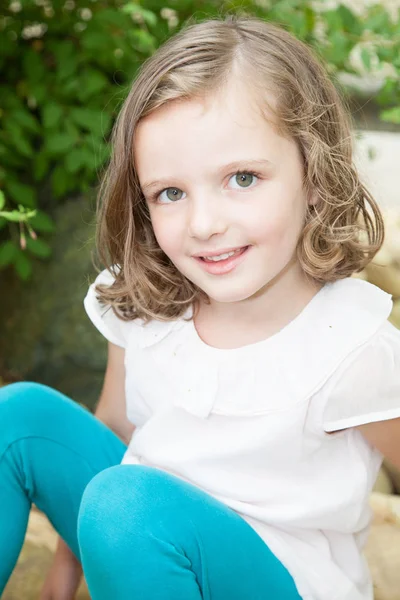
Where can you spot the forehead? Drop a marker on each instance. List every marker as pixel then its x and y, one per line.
pixel 222 127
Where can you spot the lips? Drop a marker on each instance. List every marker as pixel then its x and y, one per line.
pixel 222 256
pixel 223 266
pixel 210 254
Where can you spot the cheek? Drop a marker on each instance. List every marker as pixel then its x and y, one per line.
pixel 280 226
pixel 166 232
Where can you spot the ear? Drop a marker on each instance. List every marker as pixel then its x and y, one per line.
pixel 313 197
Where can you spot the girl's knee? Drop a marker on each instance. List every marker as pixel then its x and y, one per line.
pixel 23 391
pixel 119 497
pixel 26 402
pixel 14 396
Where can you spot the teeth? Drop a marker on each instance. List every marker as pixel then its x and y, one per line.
pixel 221 256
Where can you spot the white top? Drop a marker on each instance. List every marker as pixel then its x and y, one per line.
pixel 249 425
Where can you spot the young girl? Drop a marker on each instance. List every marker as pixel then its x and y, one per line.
pixel 261 381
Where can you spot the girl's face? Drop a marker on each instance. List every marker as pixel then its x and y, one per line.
pixel 218 179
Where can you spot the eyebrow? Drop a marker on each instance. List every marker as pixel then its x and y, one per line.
pixel 239 165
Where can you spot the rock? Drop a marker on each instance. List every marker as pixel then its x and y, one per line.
pixel 384 270
pixel 395 320
pixel 387 277
pixel 34 562
pixel 394 475
pixel 45 334
pixel 383 483
pixel 382 548
pixel 376 158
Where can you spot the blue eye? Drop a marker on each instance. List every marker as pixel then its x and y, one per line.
pixel 244 179
pixel 172 195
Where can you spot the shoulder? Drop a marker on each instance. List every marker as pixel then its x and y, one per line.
pixel 341 318
pixel 117 330
pixel 366 386
pixel 355 300
pixel 358 314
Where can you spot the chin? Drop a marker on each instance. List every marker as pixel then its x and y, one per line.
pixel 230 296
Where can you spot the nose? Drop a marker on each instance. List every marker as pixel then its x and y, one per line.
pixel 207 217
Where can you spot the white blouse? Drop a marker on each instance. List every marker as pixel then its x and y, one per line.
pixel 250 425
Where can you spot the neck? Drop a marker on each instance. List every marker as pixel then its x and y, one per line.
pixel 229 325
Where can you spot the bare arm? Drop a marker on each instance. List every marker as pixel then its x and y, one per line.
pixel 111 408
pixel 385 436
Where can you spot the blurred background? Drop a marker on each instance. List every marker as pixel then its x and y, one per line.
pixel 66 67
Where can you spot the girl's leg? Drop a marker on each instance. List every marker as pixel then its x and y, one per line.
pixel 50 448
pixel 146 534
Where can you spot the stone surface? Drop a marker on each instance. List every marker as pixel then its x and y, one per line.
pixel 384 483
pixel 383 547
pixel 377 157
pixel 45 335
pixel 394 475
pixel 34 562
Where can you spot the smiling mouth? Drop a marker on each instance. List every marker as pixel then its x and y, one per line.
pixel 223 256
pixel 223 263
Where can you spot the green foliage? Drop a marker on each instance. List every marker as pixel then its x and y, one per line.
pixel 66 67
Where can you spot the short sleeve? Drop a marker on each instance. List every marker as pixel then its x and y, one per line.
pixel 366 387
pixel 102 316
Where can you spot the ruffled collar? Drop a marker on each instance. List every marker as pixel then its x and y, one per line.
pixel 295 362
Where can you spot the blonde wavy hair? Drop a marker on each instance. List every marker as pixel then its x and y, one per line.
pixel 342 232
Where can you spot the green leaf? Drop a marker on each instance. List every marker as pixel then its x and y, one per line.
pixel 377 19
pixel 134 9
pixel 22 194
pixel 38 247
pixel 332 19
pixel 93 41
pixel 111 16
pixel 366 58
pixel 91 120
pixel 33 65
pixel 388 94
pixel 298 24
pixel 59 181
pixel 67 68
pixel 18 138
pixel 16 216
pixel 95 82
pixel 26 119
pixel 52 113
pixel 3 222
pixel 100 155
pixel 8 252
pixel 23 265
pixel 2 200
pixel 143 41
pixel 392 115
pixel 42 222
pixel 40 166
pixel 59 144
pixel 39 90
pixel 70 90
pixel 63 49
pixel 349 20
pixel 77 159
pixel 66 56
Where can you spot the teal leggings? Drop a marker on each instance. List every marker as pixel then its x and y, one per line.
pixel 139 532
